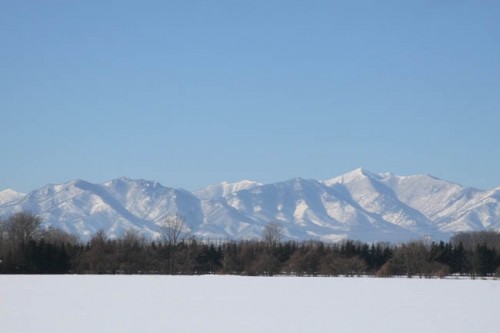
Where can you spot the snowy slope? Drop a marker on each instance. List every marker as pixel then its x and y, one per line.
pixel 9 195
pixel 357 205
pixel 82 208
pixel 448 206
pixel 374 195
pixel 310 210
pixel 217 191
pixel 150 201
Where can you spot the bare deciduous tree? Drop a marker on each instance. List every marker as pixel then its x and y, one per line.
pixel 3 236
pixel 411 259
pixel 59 237
pixel 173 230
pixel 471 239
pixel 95 258
pixel 273 234
pixel 132 238
pixel 23 227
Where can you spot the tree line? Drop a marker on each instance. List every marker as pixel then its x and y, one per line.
pixel 27 248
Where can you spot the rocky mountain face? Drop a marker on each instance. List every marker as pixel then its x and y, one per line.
pixel 359 205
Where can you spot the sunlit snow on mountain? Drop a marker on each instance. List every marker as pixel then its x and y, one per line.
pixel 358 205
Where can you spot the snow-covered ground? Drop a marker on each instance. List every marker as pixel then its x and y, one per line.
pixel 201 304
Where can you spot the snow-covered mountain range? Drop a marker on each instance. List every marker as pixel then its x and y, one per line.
pixel 358 205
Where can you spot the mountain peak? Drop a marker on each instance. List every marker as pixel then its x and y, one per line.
pixel 131 181
pixel 225 188
pixel 360 172
pixel 9 195
pixel 9 191
pixel 241 183
pixel 124 179
pixel 296 179
pixel 356 174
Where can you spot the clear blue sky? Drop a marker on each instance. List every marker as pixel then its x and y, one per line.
pixel 191 93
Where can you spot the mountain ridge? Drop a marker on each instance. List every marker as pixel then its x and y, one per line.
pixel 359 205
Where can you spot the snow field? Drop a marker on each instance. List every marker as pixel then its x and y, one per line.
pixel 203 304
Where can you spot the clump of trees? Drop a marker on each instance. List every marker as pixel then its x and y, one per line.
pixel 27 248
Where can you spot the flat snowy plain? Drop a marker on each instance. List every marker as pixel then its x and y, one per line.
pixel 201 304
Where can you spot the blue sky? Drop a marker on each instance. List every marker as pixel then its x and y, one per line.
pixel 191 93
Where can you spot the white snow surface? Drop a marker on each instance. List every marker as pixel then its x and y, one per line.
pixel 218 304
